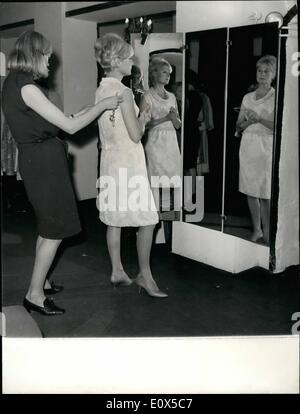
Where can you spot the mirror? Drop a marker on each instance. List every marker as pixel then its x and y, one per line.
pixel 162 142
pixel 249 153
pixel 204 126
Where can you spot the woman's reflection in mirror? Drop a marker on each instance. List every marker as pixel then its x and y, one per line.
pixel 256 123
pixel 161 147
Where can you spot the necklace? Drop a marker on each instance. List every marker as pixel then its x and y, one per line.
pixel 112 118
pixel 162 94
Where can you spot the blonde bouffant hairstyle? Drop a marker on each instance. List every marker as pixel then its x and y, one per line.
pixel 110 49
pixel 268 60
pixel 28 53
pixel 155 65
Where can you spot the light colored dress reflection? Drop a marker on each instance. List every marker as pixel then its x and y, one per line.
pixel 162 151
pixel 124 162
pixel 256 148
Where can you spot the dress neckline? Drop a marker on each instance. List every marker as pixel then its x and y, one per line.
pixel 264 98
pixel 110 78
pixel 159 98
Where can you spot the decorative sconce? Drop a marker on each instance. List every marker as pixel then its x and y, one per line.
pixel 138 25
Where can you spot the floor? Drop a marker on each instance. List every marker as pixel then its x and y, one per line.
pixel 202 301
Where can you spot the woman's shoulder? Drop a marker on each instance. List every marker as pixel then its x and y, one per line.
pixel 249 95
pixel 19 78
pixel 171 96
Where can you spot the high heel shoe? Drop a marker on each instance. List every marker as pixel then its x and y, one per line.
pixel 153 291
pixel 120 281
pixel 53 289
pixel 49 307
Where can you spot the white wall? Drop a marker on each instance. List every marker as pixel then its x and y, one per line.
pixel 48 18
pixel 287 237
pixel 201 15
pixel 80 83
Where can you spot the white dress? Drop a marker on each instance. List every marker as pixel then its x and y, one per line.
pixel 161 148
pixel 256 148
pixel 125 197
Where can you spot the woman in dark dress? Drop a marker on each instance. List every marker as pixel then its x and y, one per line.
pixel 34 122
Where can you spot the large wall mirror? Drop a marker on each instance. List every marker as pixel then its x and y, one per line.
pixel 247 45
pixel 163 144
pixel 220 69
pixel 205 77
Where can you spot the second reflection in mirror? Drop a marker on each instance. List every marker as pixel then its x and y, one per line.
pixel 238 77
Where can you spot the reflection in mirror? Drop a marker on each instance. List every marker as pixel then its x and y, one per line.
pixel 204 126
pixel 156 83
pixel 250 122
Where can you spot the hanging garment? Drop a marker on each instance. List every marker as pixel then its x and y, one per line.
pixel 206 123
pixel 9 151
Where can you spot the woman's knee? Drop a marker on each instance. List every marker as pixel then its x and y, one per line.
pixel 54 242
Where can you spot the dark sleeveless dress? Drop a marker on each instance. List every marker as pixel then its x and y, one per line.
pixel 43 163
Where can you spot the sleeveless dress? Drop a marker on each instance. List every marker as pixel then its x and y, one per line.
pixel 43 163
pixel 125 198
pixel 256 148
pixel 161 148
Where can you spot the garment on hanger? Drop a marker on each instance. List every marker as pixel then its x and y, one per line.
pixel 205 124
pixel 9 151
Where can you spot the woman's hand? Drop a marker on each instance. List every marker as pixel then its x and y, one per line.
pixel 173 117
pixel 112 102
pixel 252 116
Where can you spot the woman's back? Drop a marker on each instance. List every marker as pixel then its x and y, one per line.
pixel 26 125
pixel 113 132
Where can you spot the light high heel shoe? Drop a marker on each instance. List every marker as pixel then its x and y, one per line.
pixel 151 290
pixel 117 280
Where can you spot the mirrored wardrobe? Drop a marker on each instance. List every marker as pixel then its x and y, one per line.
pixel 220 69
pixel 223 73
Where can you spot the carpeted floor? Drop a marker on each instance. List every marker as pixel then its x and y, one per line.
pixel 202 301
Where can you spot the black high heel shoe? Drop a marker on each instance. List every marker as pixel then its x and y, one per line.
pixel 53 290
pixel 49 307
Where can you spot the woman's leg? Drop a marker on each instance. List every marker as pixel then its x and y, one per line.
pixel 254 207
pixel 113 237
pixel 144 244
pixel 265 218
pixel 145 279
pixel 45 252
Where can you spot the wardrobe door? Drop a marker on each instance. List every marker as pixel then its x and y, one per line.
pixel 205 76
pixel 247 45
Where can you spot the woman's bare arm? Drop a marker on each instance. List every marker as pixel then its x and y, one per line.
pixel 135 126
pixel 37 101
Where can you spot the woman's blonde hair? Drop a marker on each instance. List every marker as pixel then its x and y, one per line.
pixel 110 49
pixel 156 63
pixel 28 53
pixel 268 60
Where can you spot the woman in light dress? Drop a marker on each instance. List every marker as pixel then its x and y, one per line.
pixel 125 197
pixel 161 148
pixel 256 121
